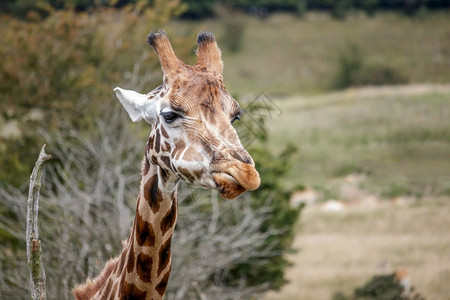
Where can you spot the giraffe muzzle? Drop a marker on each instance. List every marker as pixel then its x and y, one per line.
pixel 236 179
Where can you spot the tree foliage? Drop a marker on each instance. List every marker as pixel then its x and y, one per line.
pixel 207 8
pixel 337 8
pixel 64 67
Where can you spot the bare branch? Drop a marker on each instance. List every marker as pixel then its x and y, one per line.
pixel 34 250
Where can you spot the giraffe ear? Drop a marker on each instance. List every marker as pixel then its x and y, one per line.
pixel 209 54
pixel 138 106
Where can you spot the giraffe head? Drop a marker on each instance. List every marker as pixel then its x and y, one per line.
pixel 191 115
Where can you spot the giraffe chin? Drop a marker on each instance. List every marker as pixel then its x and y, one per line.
pixel 227 186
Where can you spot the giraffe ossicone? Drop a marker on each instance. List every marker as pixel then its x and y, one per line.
pixel 192 139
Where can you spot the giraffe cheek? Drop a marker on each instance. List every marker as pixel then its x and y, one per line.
pixel 192 155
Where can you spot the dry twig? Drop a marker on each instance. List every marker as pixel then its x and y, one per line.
pixel 34 251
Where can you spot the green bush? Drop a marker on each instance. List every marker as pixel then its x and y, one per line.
pixel 233 34
pixel 381 287
pixel 354 69
pixel 340 9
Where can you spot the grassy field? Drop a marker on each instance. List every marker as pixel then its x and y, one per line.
pixel 285 55
pixel 399 139
pixel 342 251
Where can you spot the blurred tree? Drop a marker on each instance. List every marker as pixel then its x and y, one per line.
pixel 206 8
pixel 66 65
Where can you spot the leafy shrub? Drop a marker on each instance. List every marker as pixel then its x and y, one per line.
pixel 340 9
pixel 381 287
pixel 353 69
pixel 233 35
pixel 349 65
pixel 379 74
pixel 384 287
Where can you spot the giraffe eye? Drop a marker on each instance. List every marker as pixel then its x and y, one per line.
pixel 236 117
pixel 170 116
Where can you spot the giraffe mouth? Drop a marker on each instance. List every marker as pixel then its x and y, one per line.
pixel 227 185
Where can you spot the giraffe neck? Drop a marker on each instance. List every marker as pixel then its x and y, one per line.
pixel 142 270
pixel 149 259
pixel 147 267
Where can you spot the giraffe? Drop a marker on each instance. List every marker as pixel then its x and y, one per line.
pixel 192 139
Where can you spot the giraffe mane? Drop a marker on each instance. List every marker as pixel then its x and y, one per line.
pixel 88 289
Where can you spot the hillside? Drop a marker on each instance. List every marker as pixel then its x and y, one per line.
pixel 285 55
pixel 384 155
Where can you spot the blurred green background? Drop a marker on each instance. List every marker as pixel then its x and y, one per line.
pixel 357 112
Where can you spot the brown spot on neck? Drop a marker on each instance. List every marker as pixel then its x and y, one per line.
pixel 168 222
pixel 166 160
pixel 162 285
pixel 144 265
pixel 164 256
pixel 145 235
pixel 131 259
pixel 152 194
pixel 186 174
pixel 157 141
pixel 145 165
pixel 130 291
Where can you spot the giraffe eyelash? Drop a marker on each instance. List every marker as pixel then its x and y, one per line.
pixel 170 116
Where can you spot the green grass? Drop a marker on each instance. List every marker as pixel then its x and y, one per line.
pixel 402 142
pixel 285 55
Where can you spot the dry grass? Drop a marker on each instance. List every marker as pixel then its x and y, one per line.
pixel 340 251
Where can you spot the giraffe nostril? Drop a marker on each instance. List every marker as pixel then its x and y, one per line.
pixel 247 160
pixel 243 156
